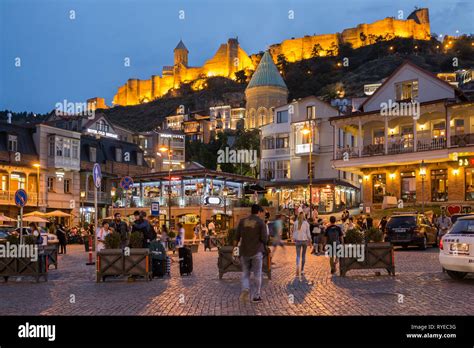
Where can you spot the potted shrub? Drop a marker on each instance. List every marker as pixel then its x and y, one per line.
pixel 376 254
pixel 136 240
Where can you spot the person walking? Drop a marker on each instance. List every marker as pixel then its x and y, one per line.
pixel 120 227
pixel 316 234
pixel 252 236
pixel 277 233
pixel 211 227
pixel 61 233
pixel 197 233
pixel 302 239
pixel 180 236
pixel 334 237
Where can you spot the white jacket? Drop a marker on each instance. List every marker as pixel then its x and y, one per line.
pixel 302 234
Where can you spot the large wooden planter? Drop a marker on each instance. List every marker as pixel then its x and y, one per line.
pixel 226 263
pixel 113 262
pixel 14 266
pixel 376 256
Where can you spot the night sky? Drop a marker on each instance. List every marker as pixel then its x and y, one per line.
pixel 76 59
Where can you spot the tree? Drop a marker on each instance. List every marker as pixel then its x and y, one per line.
pixel 316 52
pixel 282 63
pixel 240 76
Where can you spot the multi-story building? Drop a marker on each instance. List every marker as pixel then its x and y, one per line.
pixel 59 160
pixel 117 159
pixel 19 168
pixel 226 117
pixel 412 140
pixel 285 157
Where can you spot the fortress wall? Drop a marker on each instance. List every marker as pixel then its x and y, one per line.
pixel 301 48
pixel 217 65
pixel 132 92
pixel 155 86
pixel 144 90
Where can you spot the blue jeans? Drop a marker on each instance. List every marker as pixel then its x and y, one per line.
pixel 301 247
pixel 252 264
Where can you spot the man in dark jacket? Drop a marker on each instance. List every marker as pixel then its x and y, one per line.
pixel 120 227
pixel 334 237
pixel 143 226
pixel 252 235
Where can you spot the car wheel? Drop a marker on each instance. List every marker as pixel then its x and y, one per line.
pixel 424 244
pixel 456 275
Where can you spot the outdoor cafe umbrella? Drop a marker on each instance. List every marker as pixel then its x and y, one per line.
pixel 4 218
pixel 35 213
pixel 57 213
pixel 34 219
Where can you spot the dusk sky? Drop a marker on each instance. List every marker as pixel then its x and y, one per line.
pixel 78 59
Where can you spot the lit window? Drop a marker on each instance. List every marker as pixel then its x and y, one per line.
pixel 407 90
pixel 311 112
pixel 51 181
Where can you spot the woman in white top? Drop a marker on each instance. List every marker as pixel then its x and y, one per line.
pixel 101 234
pixel 302 238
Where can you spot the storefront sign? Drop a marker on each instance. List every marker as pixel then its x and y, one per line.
pixel 155 209
pixel 213 200
pixel 466 161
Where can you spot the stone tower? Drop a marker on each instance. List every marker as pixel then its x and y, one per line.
pixel 265 91
pixel 181 54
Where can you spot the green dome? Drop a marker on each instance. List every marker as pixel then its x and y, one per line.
pixel 267 74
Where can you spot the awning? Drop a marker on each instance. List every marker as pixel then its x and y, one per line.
pixel 305 182
pixel 57 213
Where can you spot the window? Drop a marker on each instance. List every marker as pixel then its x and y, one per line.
pixel 379 184
pixel 439 130
pixel 139 158
pixel 269 170
pixel 305 138
pixel 92 154
pixel 59 147
pixel 51 181
pixel 75 149
pixel 379 136
pixel 408 186
pixel 268 143
pixel 469 184
pixel 282 141
pixel 51 147
pixel 101 126
pixel 67 186
pixel 439 185
pixel 407 90
pixel 282 116
pixel 311 112
pixel 12 143
pixel 407 136
pixel 118 154
pixel 459 126
pixel 67 148
pixel 283 170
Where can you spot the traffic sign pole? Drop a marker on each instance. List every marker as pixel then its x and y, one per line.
pixel 21 225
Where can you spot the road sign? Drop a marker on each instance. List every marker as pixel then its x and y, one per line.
pixel 155 209
pixel 21 197
pixel 97 175
pixel 126 183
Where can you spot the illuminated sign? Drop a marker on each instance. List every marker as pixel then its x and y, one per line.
pixel 466 161
pixel 105 134
pixel 303 148
pixel 171 136
pixel 213 200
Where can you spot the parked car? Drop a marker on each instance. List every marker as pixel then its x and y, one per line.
pixel 454 217
pixel 52 238
pixel 411 229
pixel 456 253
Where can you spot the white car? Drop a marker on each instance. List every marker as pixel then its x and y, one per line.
pixel 456 249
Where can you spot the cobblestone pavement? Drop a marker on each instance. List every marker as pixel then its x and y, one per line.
pixel 419 288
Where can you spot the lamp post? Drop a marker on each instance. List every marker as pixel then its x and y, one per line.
pixel 163 148
pixel 423 175
pixel 37 166
pixel 81 207
pixel 305 131
pixel 112 196
pixel 225 192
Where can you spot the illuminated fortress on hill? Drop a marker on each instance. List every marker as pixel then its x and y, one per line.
pixel 230 57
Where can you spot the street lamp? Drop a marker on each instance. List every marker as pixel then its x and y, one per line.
pixel 423 175
pixel 81 206
pixel 112 196
pixel 305 131
pixel 225 192
pixel 164 148
pixel 37 166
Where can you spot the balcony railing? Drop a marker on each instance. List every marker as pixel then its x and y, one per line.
pixel 460 140
pixel 8 197
pixel 427 144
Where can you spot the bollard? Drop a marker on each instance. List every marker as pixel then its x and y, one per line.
pixel 90 252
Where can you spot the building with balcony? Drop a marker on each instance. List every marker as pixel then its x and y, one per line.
pixel 285 158
pixel 117 159
pixel 226 117
pixel 173 141
pixel 18 157
pixel 412 117
pixel 59 159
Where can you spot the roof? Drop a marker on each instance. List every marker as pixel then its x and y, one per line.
pixel 181 46
pixel 267 74
pixel 407 62
pixel 24 135
pixel 106 149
